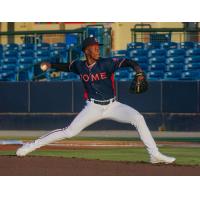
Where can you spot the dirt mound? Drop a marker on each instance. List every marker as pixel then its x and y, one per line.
pixel 54 166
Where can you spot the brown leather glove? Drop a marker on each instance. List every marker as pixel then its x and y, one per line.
pixel 139 83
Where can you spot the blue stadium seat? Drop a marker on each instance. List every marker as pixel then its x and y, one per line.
pixel 193 66
pixel 137 52
pixel 9 61
pixel 25 72
pixel 187 45
pixel 10 67
pixel 158 59
pixel 157 67
pixel 43 46
pixel 197 44
pixel 191 75
pixel 160 37
pixel 193 59
pixel 122 75
pixel 127 69
pixel 8 76
pixel 193 52
pixel 63 75
pixel 73 38
pixel 119 53
pixel 27 53
pixel 175 52
pixel 11 47
pixel 42 59
pixel 153 45
pixel 58 52
pixel 27 46
pixel 132 75
pixel 59 55
pixel 25 66
pixel 169 45
pixel 43 53
pixel 1 55
pixel 144 66
pixel 172 75
pixel 26 60
pixel 58 45
pixel 175 67
pixel 69 76
pixel 157 52
pixel 155 75
pixel 178 59
pixel 1 47
pixel 135 45
pixel 10 54
pixel 141 59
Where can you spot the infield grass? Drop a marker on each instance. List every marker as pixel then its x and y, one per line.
pixel 184 156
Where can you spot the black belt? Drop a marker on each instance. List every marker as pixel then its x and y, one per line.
pixel 103 102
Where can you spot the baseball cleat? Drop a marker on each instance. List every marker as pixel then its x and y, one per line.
pixel 25 149
pixel 160 158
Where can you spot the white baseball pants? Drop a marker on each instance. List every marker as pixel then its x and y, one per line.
pixel 94 112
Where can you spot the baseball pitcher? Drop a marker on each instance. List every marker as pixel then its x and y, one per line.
pixel 97 75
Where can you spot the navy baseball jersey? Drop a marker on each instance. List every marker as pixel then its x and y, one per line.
pixel 98 78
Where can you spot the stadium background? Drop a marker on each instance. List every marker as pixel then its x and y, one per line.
pixel 168 52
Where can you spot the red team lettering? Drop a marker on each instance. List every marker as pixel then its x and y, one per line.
pixel 103 75
pixel 93 77
pixel 85 77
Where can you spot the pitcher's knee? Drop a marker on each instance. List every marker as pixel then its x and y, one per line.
pixel 137 119
pixel 71 131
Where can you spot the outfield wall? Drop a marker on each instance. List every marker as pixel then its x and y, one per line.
pixel 168 105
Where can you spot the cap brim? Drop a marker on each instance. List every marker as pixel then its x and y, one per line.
pixel 92 44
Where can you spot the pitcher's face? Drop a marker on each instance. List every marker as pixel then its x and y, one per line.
pixel 93 51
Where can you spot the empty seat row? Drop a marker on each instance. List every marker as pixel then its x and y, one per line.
pixel 170 67
pixel 30 46
pixel 131 53
pixel 32 53
pixel 167 60
pixel 164 45
pixel 176 75
pixel 69 76
pixel 160 75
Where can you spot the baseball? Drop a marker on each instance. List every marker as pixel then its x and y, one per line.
pixel 44 67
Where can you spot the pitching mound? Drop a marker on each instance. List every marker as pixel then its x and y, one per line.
pixel 54 166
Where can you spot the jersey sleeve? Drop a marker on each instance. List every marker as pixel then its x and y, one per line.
pixel 66 67
pixel 73 66
pixel 124 62
pixel 118 62
pixel 112 64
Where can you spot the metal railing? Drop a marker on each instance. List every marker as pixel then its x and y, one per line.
pixel 149 34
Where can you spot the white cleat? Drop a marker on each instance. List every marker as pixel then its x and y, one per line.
pixel 160 158
pixel 25 149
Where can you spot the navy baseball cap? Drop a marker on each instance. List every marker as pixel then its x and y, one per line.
pixel 89 41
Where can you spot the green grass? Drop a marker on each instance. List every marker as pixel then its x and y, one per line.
pixel 167 139
pixel 185 156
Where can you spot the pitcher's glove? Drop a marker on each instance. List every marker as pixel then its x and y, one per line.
pixel 139 83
